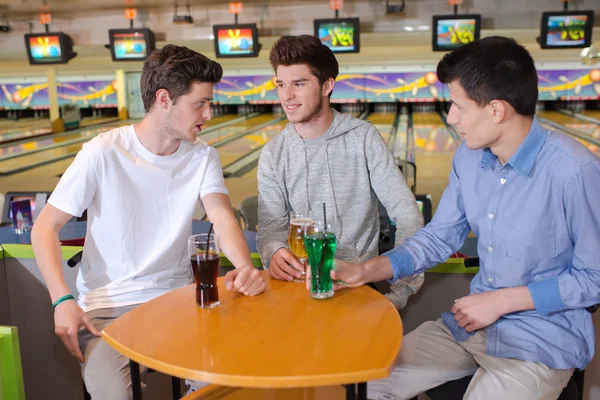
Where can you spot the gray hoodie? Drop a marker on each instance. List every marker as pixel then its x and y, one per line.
pixel 348 168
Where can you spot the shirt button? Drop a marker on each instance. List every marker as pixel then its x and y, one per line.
pixel 490 280
pixel 490 249
pixel 503 181
pixel 491 215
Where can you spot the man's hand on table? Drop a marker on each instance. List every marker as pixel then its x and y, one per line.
pixel 344 275
pixel 284 265
pixel 245 279
pixel 68 318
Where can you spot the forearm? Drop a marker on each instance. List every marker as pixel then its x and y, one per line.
pixel 516 299
pixel 232 241
pixel 48 255
pixel 378 269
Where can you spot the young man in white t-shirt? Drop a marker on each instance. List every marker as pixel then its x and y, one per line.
pixel 140 185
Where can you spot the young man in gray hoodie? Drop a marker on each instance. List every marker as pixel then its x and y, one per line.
pixel 323 156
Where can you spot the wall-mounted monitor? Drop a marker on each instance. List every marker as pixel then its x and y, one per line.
pixel 131 44
pixel 452 31
pixel 49 48
pixel 341 35
pixel 236 40
pixel 566 29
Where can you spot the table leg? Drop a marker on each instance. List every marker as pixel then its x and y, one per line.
pixel 136 384
pixel 362 391
pixel 176 387
pixel 356 391
pixel 350 391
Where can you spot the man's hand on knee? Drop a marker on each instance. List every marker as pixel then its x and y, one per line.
pixel 68 318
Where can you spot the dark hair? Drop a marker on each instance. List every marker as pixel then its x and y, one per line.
pixel 175 68
pixel 495 67
pixel 305 49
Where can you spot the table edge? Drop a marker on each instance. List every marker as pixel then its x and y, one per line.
pixel 250 381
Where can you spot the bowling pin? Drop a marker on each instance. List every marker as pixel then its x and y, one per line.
pixel 577 86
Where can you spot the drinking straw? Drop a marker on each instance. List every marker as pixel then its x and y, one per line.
pixel 208 240
pixel 324 246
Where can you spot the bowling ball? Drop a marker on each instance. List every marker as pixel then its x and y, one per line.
pixel 137 48
pixel 430 78
pixel 53 51
pixel 595 75
pixel 244 44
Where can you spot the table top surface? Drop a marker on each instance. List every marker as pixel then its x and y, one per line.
pixel 281 338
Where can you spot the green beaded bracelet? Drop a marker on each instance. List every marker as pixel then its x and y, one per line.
pixel 64 298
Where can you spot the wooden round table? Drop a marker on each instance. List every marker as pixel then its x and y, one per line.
pixel 280 339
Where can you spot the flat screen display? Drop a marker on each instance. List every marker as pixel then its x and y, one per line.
pixel 341 35
pixel 566 30
pixel 236 40
pixel 131 44
pixel 453 31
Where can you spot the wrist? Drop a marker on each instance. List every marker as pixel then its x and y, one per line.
pixel 366 272
pixel 514 299
pixel 62 299
pixel 55 295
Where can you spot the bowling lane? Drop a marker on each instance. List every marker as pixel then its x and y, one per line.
pixel 69 149
pixel 46 177
pixel 592 113
pixel 588 128
pixel 434 148
pixel 83 135
pixel 5 121
pixel 51 140
pixel 223 133
pixel 25 123
pixel 237 148
pixel 45 129
pixel 384 122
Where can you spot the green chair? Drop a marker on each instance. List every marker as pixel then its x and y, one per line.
pixel 11 372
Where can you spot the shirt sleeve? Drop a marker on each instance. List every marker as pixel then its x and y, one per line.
pixel 400 203
pixel 579 285
pixel 213 181
pixel 272 211
pixel 443 236
pixel 391 188
pixel 78 185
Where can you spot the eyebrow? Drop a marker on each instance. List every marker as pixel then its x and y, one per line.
pixel 204 99
pixel 293 81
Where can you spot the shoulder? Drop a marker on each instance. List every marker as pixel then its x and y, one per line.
pixel 275 146
pixel 568 157
pixel 107 143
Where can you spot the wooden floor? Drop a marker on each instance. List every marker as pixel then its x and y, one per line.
pixel 434 151
pixel 432 169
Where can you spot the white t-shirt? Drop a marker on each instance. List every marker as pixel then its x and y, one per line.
pixel 139 215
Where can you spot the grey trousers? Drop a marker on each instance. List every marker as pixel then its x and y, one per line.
pixel 105 371
pixel 430 356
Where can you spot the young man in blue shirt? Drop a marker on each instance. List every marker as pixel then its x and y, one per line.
pixel 529 195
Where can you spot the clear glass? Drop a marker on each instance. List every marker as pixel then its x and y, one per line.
pixel 204 253
pixel 297 226
pixel 320 241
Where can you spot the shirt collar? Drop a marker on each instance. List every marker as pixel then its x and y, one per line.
pixel 523 159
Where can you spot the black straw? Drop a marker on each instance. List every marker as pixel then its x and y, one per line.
pixel 324 246
pixel 208 240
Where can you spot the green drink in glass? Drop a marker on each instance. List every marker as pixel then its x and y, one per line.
pixel 320 243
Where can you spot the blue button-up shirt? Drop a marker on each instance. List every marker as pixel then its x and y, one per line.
pixel 538 222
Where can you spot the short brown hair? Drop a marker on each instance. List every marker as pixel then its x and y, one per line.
pixel 305 49
pixel 176 68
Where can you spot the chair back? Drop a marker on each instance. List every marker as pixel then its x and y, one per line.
pixel 11 371
pixel 249 209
